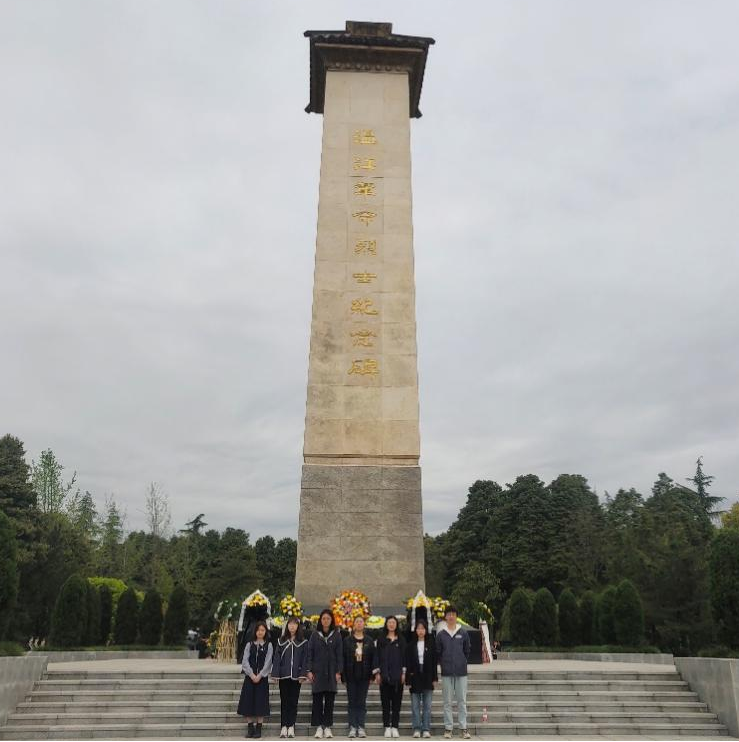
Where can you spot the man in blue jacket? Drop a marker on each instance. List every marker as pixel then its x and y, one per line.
pixel 453 650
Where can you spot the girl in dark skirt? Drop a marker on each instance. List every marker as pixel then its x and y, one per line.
pixel 325 664
pixel 256 665
pixel 287 669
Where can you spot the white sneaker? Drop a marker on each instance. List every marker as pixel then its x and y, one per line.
pixel 361 733
pixel 395 732
pixel 447 734
pixel 388 732
pixel 327 733
pixel 466 734
pixel 416 734
pixel 426 735
pixel 283 733
pixel 352 733
pixel 319 733
pixel 291 731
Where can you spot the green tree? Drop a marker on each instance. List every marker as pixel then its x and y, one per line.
pixel 92 634
pixel 69 617
pixel 106 613
pixel 150 618
pixel 730 519
pixel 83 514
pixel 520 616
pixel 434 564
pixel 628 615
pixel 177 618
pixel 110 552
pixel 475 584
pixel 544 618
pixel 724 570
pixel 126 618
pixel 569 619
pixel 702 483
pixel 283 568
pixel 16 494
pixel 605 609
pixel 588 620
pixel 48 484
pixel 194 526
pixel 8 572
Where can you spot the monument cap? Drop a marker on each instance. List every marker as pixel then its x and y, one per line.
pixel 364 46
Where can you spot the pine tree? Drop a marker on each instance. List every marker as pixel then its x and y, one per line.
pixel 628 615
pixel 150 618
pixel 702 482
pixel 605 611
pixel 544 618
pixel 177 618
pixel 69 618
pixel 724 571
pixel 569 619
pixel 16 494
pixel 126 618
pixel 520 616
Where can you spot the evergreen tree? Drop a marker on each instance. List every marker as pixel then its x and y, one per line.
pixel 69 618
pixel 588 619
pixel 106 613
pixel 475 584
pixel 110 553
pixel 92 634
pixel 569 619
pixel 628 615
pixel 83 514
pixel 730 519
pixel 520 617
pixel 150 619
pixel 8 572
pixel 606 607
pixel 544 618
pixel 283 568
pixel 48 484
pixel 434 564
pixel 16 494
pixel 177 618
pixel 702 482
pixel 194 526
pixel 724 568
pixel 126 618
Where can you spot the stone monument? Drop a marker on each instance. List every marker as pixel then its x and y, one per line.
pixel 361 523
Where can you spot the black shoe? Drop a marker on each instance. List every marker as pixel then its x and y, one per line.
pixel 258 732
pixel 250 730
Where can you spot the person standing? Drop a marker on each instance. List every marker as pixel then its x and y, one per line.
pixel 256 665
pixel 359 667
pixel 391 675
pixel 324 665
pixel 453 649
pixel 288 669
pixel 421 677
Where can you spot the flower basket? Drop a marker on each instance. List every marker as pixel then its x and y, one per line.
pixel 348 605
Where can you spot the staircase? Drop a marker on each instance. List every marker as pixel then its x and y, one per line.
pixel 123 705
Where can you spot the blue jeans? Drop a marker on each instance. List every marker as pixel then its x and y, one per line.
pixel 356 691
pixel 421 710
pixel 454 689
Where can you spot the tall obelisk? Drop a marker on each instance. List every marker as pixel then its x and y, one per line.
pixel 361 523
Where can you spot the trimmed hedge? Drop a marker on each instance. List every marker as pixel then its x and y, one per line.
pixel 8 572
pixel 588 618
pixel 628 615
pixel 106 613
pixel 606 607
pixel 150 618
pixel 520 616
pixel 177 618
pixel 544 618
pixel 92 634
pixel 126 618
pixel 69 617
pixel 568 617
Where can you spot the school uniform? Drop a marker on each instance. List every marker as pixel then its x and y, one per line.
pixel 257 663
pixel 453 650
pixel 325 659
pixel 288 668
pixel 391 664
pixel 359 667
pixel 420 676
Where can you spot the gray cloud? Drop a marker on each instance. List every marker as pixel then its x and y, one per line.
pixel 575 174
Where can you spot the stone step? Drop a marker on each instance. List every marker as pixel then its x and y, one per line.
pixel 215 717
pixel 153 731
pixel 637 706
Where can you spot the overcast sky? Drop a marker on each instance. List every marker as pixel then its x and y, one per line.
pixel 576 213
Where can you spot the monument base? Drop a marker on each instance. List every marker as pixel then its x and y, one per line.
pixel 361 527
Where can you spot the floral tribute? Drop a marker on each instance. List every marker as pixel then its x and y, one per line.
pixel 348 605
pixel 438 606
pixel 291 607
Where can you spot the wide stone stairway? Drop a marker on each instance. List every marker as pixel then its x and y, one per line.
pixel 126 703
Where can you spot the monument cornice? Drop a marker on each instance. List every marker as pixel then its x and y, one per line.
pixel 366 47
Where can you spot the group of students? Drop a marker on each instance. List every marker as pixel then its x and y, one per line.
pixel 327 658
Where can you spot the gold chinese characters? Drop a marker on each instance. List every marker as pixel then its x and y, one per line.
pixel 364 277
pixel 364 366
pixel 363 306
pixel 364 136
pixel 363 338
pixel 364 188
pixel 364 163
pixel 366 217
pixel 365 246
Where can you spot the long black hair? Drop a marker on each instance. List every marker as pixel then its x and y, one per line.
pixel 397 625
pixel 414 633
pixel 267 636
pixel 298 633
pixel 333 621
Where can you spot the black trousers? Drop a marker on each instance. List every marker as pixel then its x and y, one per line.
pixel 289 694
pixel 391 695
pixel 322 713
